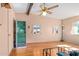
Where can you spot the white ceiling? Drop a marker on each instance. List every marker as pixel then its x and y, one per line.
pixel 64 10
pixel 19 7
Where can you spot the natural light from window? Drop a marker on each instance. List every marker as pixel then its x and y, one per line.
pixel 75 28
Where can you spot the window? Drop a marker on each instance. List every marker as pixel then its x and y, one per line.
pixel 36 28
pixel 75 28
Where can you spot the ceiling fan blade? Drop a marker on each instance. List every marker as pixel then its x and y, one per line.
pixel 6 5
pixel 39 11
pixel 53 7
pixel 42 7
pixel 49 12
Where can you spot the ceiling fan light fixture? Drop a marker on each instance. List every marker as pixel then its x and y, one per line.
pixel 44 13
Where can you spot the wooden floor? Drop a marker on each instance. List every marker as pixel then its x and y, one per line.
pixel 36 49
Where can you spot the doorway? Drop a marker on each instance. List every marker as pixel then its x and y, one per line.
pixel 19 34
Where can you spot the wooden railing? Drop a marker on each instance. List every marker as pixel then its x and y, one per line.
pixel 49 51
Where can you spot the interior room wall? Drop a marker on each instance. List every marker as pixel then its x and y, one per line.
pixel 67 36
pixel 47 26
pixel 0 30
pixel 6 31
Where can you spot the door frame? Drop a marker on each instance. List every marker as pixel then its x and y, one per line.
pixel 15 36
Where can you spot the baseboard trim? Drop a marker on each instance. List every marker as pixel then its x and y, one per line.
pixel 70 42
pixel 42 42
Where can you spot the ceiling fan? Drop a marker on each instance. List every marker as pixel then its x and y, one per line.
pixel 45 10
